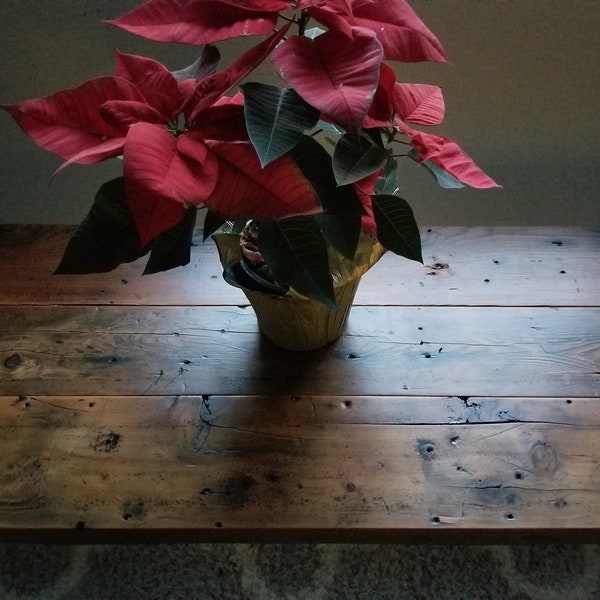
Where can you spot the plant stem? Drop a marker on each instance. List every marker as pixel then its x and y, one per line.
pixel 303 22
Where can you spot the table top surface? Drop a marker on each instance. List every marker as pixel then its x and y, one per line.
pixel 462 402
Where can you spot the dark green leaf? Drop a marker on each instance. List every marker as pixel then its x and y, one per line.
pixel 342 209
pixel 296 254
pixel 355 157
pixel 107 236
pixel 172 247
pixel 212 222
pixel 330 128
pixel 396 227
pixel 276 119
pixel 341 231
pixel 388 184
pixel 444 179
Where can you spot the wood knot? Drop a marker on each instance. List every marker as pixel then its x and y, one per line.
pixel 544 458
pixel 13 361
pixel 106 442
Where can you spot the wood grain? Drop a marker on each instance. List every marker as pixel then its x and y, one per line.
pixel 462 403
pixel 215 467
pixel 461 351
pixel 500 266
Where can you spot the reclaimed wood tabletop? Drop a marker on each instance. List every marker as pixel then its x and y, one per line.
pixel 461 404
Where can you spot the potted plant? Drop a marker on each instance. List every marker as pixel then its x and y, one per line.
pixel 299 181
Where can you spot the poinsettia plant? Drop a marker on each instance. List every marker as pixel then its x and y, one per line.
pixel 312 163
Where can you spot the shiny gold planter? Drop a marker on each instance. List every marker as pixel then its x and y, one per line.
pixel 295 322
pixel 299 323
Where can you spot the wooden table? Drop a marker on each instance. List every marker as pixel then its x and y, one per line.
pixel 461 405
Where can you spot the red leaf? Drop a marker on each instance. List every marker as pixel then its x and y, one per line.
pixel 69 123
pixel 162 170
pixel 222 122
pixel 108 149
pixel 262 5
pixel 245 190
pixel 154 80
pixel 209 90
pixel 365 188
pixel 382 108
pixel 122 113
pixel 336 74
pixel 196 22
pixel 334 15
pixel 402 33
pixel 419 103
pixel 448 156
pixel 342 6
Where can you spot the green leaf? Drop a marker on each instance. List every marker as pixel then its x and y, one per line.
pixel 172 247
pixel 444 179
pixel 296 254
pixel 106 237
pixel 396 227
pixel 212 222
pixel 355 157
pixel 342 209
pixel 276 119
pixel 341 231
pixel 388 184
pixel 331 128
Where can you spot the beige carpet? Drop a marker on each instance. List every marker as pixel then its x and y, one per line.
pixel 312 572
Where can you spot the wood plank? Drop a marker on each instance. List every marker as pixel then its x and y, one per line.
pixel 451 351
pixel 210 468
pixel 511 266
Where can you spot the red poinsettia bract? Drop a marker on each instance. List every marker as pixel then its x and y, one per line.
pixel 337 71
pixel 423 104
pixel 168 132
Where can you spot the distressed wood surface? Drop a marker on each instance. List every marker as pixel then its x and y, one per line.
pixel 300 465
pixel 461 351
pixel 462 404
pixel 500 266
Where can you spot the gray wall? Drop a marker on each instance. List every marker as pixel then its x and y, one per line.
pixel 521 96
